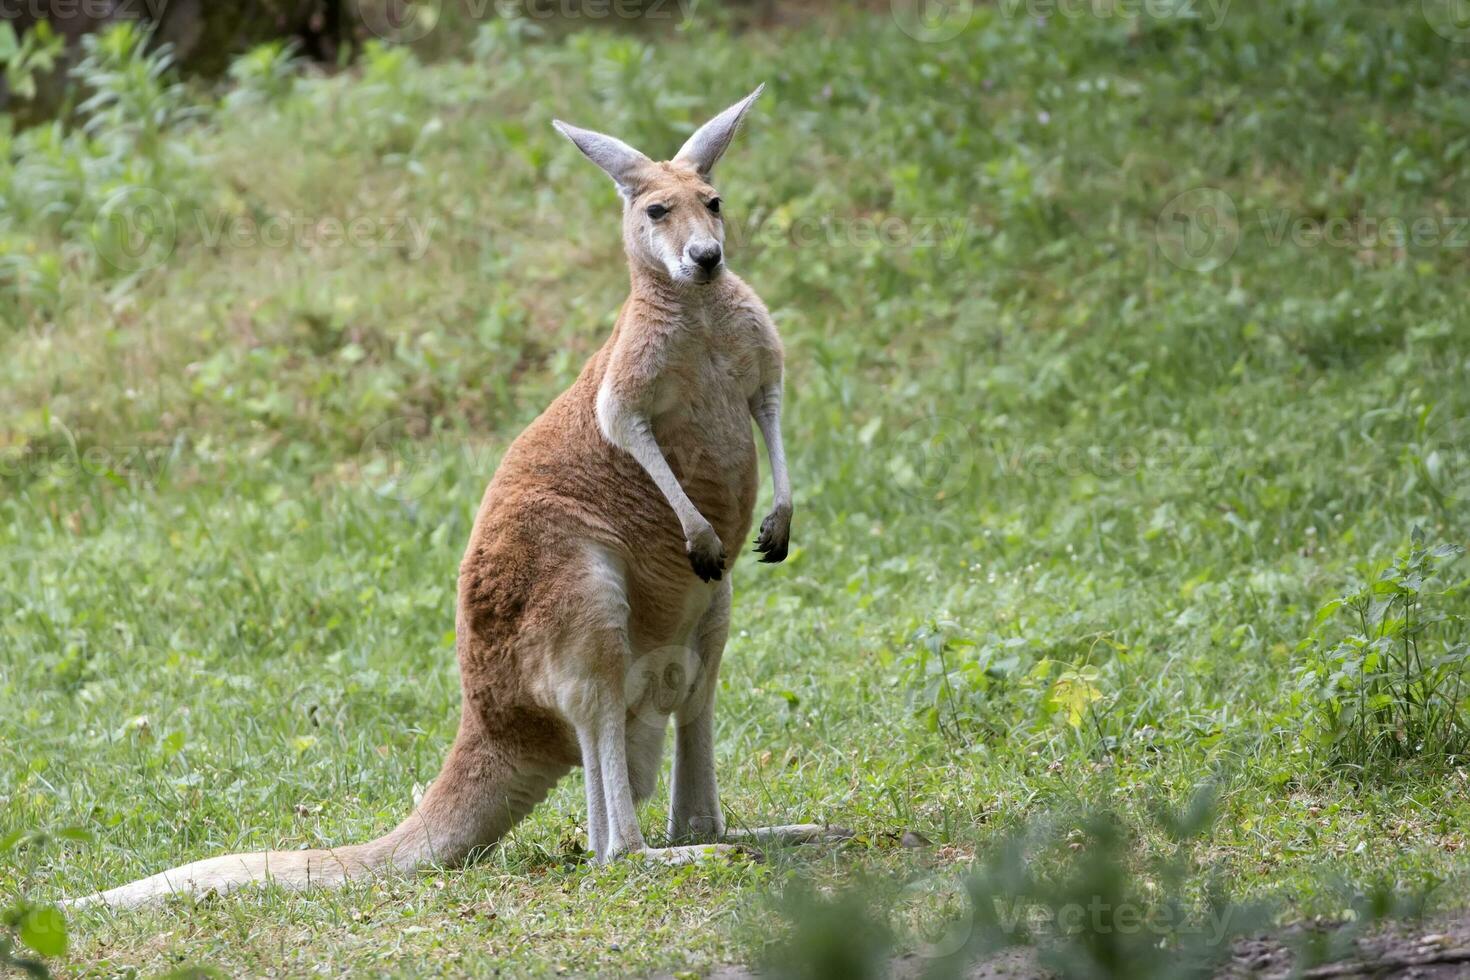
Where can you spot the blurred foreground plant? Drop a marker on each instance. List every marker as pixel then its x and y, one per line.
pixel 1085 893
pixel 32 931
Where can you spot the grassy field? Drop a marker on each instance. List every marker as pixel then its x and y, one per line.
pixel 1118 347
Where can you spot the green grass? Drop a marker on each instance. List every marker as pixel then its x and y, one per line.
pixel 236 484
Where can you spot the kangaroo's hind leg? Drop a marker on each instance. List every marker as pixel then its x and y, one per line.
pixel 602 732
pixel 694 812
pixel 601 694
pixel 694 809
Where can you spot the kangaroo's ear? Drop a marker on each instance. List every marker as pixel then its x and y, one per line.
pixel 709 141
pixel 617 159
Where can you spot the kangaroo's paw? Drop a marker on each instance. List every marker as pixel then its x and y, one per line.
pixel 774 537
pixel 791 833
pixel 706 555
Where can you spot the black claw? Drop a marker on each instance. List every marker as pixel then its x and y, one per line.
pixel 707 568
pixel 771 551
pixel 768 545
pixel 773 555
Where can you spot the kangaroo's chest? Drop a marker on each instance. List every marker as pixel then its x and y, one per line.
pixel 702 422
pixel 703 397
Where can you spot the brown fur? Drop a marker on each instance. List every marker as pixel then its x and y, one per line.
pixel 562 484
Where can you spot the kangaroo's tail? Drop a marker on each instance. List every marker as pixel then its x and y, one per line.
pixel 478 796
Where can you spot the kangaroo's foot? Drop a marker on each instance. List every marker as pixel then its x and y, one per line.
pixel 783 835
pixel 695 853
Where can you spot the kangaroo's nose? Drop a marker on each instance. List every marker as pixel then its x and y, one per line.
pixel 706 256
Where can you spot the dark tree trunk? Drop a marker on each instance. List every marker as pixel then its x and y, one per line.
pixel 205 34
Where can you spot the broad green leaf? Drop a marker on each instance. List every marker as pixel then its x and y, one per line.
pixel 1073 691
pixel 44 930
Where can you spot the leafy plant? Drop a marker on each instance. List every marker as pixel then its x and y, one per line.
pixel 1391 688
pixel 1075 691
pixel 960 685
pixel 135 94
pixel 951 677
pixel 25 58
pixel 1093 897
pixel 264 74
pixel 1097 902
pixel 26 925
pixel 832 936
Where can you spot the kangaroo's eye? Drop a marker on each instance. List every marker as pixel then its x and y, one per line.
pixel 656 211
pixel 714 205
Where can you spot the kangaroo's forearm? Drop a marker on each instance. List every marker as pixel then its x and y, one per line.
pixel 766 408
pixel 632 432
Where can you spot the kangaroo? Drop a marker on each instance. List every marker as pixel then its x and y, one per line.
pixel 594 595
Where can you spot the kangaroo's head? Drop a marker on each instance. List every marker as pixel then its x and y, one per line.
pixel 671 212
